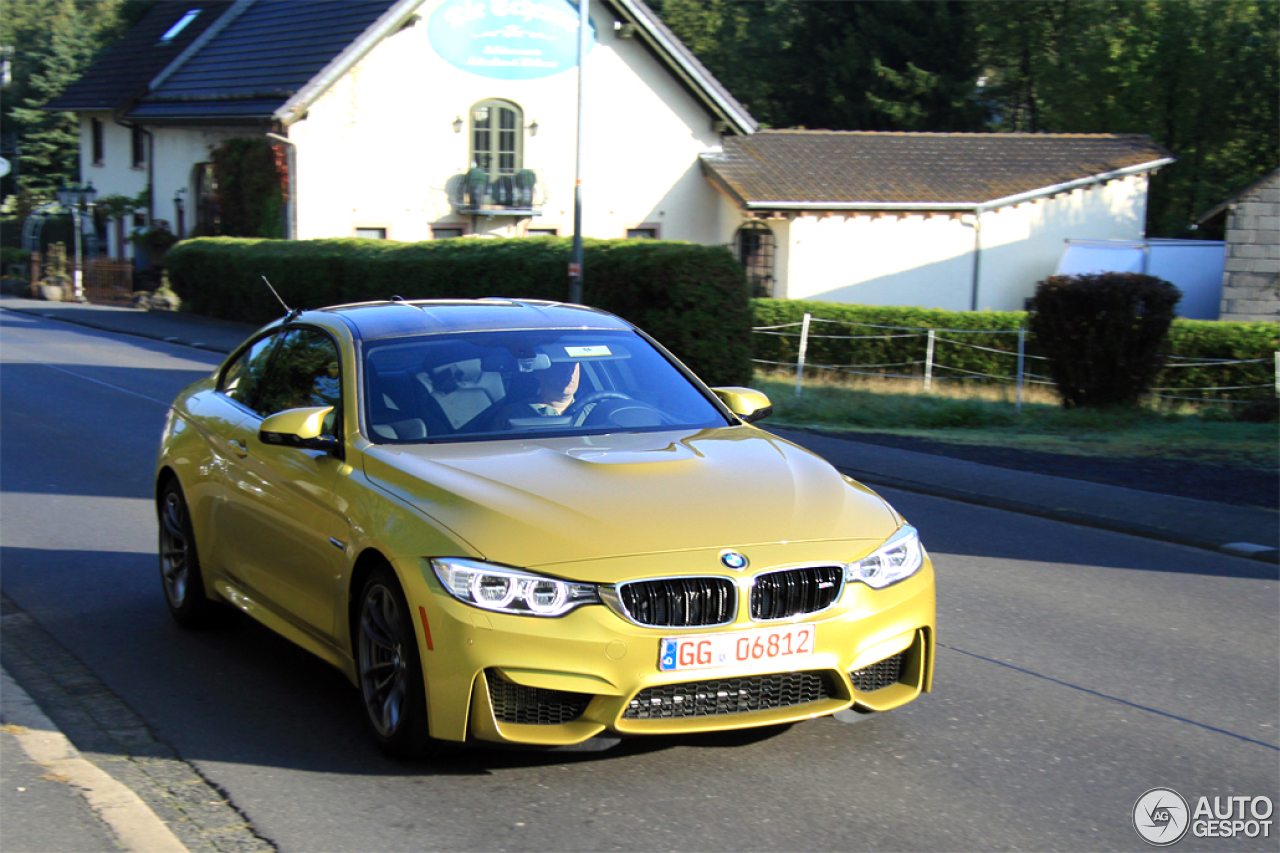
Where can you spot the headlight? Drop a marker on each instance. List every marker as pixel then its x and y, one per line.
pixel 900 557
pixel 509 591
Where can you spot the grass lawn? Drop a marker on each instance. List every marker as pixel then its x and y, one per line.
pixel 987 416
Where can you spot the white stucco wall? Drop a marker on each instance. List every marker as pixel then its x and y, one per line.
pixel 928 261
pixel 378 149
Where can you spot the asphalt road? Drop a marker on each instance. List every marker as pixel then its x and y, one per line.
pixel 1078 669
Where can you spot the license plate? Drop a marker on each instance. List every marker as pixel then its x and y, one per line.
pixel 707 651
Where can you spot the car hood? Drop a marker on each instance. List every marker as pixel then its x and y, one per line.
pixel 563 500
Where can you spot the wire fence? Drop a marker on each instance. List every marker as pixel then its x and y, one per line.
pixel 932 367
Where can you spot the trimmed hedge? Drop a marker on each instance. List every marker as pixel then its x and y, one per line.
pixel 692 298
pixel 889 346
pixel 1188 339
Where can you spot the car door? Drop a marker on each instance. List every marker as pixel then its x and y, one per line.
pixel 286 540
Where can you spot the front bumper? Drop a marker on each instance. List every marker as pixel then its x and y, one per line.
pixel 557 682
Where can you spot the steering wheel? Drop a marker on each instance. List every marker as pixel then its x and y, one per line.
pixel 578 405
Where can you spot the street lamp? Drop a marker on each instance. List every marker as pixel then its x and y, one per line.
pixel 179 207
pixel 72 198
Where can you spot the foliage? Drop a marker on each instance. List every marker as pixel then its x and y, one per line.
pixel 13 255
pixel 153 238
pixel 848 335
pixel 1200 77
pixel 1103 334
pixel 691 298
pixel 853 65
pixel 1187 339
pixel 250 182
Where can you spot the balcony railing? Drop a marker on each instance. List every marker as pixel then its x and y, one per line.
pixel 521 194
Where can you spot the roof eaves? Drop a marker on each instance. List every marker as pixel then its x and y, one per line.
pixel 196 46
pixel 687 66
pixel 392 20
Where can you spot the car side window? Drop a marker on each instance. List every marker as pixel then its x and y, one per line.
pixel 304 373
pixel 243 378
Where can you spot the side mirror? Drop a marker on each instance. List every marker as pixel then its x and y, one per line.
pixel 298 428
pixel 747 403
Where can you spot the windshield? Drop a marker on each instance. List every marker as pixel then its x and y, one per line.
pixel 489 385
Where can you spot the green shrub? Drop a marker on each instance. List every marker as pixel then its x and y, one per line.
pixel 12 255
pixel 848 336
pixel 691 298
pixel 1103 334
pixel 1188 341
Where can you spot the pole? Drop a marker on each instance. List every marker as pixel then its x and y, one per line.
pixel 928 362
pixel 575 267
pixel 804 347
pixel 1022 354
pixel 78 279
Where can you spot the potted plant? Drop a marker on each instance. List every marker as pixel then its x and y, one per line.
pixel 56 284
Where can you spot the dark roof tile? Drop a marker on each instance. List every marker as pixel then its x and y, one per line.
pixel 264 56
pixel 856 167
pixel 123 70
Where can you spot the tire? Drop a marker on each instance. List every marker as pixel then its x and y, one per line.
pixel 180 575
pixel 389 668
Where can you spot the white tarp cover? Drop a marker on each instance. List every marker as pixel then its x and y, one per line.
pixel 1193 266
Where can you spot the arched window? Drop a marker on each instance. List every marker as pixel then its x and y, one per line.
pixel 497 138
pixel 755 251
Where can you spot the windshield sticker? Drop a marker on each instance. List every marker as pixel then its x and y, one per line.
pixel 587 352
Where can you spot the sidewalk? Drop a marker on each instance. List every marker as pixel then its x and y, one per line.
pixel 1242 531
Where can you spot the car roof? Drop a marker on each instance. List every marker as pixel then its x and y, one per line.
pixel 400 317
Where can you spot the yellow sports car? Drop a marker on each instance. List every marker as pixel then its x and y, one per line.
pixel 527 522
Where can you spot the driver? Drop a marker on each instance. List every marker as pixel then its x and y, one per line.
pixel 556 387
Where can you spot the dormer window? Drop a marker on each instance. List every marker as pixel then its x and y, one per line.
pixel 172 33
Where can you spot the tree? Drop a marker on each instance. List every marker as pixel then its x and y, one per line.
pixel 839 65
pixel 51 43
pixel 1199 77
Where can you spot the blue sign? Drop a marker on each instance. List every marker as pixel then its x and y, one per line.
pixel 508 39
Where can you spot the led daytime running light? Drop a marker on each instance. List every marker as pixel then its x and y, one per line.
pixel 504 590
pixel 898 558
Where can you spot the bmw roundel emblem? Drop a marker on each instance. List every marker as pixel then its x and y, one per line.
pixel 733 560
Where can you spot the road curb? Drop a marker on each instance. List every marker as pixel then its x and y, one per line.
pixel 134 824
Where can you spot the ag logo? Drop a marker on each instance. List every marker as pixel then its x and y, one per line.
pixel 733 560
pixel 1161 817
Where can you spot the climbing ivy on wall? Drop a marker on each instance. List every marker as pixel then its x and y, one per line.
pixel 251 180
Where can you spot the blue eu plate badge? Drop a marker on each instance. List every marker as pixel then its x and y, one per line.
pixel 667 655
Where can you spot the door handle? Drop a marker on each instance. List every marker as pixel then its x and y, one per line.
pixel 239 447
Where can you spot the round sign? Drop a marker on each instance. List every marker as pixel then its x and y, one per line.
pixel 1161 817
pixel 4 167
pixel 508 39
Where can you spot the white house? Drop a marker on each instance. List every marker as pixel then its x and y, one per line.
pixel 427 119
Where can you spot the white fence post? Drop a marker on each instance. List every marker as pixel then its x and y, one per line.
pixel 804 347
pixel 1278 374
pixel 1022 354
pixel 928 362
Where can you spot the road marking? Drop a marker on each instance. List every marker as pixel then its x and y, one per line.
pixel 129 818
pixel 10 357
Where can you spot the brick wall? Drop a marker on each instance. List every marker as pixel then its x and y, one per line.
pixel 1251 281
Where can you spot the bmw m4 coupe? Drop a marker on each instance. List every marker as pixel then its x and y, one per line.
pixel 528 523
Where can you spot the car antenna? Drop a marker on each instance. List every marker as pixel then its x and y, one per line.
pixel 290 313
